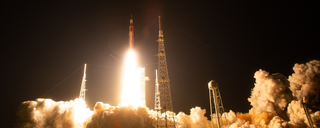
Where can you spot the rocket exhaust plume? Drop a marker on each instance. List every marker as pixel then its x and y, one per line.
pixel 131 88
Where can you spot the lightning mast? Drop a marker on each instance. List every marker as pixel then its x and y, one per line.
pixel 83 84
pixel 164 105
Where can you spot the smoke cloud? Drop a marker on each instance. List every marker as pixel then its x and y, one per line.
pixel 305 82
pixel 196 119
pixel 270 95
pixel 120 117
pixel 275 99
pixel 46 113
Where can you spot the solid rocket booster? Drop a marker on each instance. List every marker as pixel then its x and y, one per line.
pixel 131 38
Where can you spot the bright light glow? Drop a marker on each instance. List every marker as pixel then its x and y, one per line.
pixel 81 112
pixel 131 87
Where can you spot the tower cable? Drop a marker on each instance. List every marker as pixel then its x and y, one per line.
pixel 62 81
pixel 199 41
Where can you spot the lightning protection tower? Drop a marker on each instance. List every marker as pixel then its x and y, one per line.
pixel 216 103
pixel 164 105
pixel 83 84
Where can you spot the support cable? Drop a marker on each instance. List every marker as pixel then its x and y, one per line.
pixel 182 70
pixel 199 41
pixel 178 95
pixel 62 81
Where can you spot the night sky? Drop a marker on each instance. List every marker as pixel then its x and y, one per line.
pixel 46 43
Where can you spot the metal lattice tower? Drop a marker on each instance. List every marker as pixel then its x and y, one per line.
pixel 83 84
pixel 216 104
pixel 163 106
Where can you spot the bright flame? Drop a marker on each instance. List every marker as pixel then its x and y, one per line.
pixel 131 89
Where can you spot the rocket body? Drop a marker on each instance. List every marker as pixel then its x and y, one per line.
pixel 131 37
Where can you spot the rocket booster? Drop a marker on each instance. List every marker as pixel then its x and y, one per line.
pixel 131 38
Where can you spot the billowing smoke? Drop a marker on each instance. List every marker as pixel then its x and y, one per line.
pixel 196 119
pixel 276 103
pixel 106 116
pixel 271 94
pixel 305 82
pixel 46 113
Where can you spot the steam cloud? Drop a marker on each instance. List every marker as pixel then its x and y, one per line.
pixel 305 82
pixel 276 103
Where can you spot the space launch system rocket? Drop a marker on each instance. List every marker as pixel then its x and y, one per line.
pixel 131 37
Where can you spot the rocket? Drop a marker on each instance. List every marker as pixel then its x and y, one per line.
pixel 131 38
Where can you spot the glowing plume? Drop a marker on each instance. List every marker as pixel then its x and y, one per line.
pixel 131 90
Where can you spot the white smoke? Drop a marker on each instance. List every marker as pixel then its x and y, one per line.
pixel 305 82
pixel 120 117
pixel 276 103
pixel 46 113
pixel 196 119
pixel 271 94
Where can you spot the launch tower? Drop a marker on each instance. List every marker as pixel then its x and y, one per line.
pixel 164 105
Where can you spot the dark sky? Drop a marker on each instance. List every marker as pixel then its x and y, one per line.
pixel 45 42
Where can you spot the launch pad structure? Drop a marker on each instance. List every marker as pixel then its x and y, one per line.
pixel 163 100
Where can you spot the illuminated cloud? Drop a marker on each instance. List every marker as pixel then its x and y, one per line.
pixel 305 82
